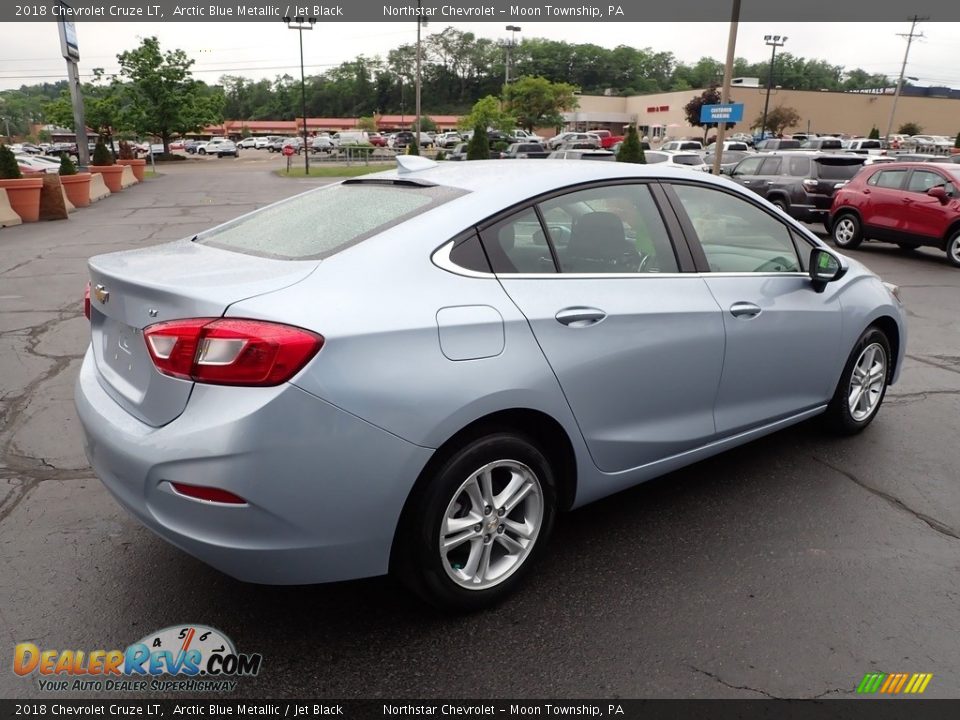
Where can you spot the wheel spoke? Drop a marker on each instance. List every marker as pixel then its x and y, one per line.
pixel 452 541
pixel 473 561
pixel 486 487
pixel 476 496
pixel 512 546
pixel 484 566
pixel 854 399
pixel 519 529
pixel 453 526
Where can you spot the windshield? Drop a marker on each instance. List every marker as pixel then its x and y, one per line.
pixel 322 222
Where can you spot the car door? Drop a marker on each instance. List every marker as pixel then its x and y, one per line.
pixel 768 175
pixel 746 170
pixel 782 351
pixel 884 212
pixel 636 344
pixel 927 216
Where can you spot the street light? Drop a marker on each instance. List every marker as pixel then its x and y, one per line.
pixel 421 22
pixel 300 23
pixel 774 41
pixel 513 30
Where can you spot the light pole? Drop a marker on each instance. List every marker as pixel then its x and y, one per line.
pixel 420 23
pixel 513 30
pixel 774 41
pixel 300 23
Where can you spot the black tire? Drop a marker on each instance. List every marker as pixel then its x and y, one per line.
pixel 906 247
pixel 846 231
pixel 780 203
pixel 839 418
pixel 201 151
pixel 418 561
pixel 953 249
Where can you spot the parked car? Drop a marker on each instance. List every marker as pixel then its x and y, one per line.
pixel 801 183
pixel 261 143
pixel 607 138
pixel 322 143
pixel 448 139
pixel 522 150
pixel 251 420
pixel 402 139
pixel 910 204
pixel 248 143
pixel 377 140
pixel 728 160
pixel 728 145
pixel 682 146
pixel 227 147
pixel 37 163
pixel 777 144
pixel 569 137
pixel 585 154
pixel 865 146
pixel 191 146
pixel 459 152
pixel 521 135
pixel 210 147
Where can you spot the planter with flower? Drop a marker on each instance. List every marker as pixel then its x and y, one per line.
pixel 103 163
pixel 23 192
pixel 75 184
pixel 129 157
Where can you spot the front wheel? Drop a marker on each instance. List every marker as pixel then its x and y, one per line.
pixel 953 249
pixel 862 385
pixel 480 524
pixel 846 231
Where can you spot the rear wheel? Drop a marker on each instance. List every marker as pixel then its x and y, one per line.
pixel 862 385
pixel 480 524
pixel 953 249
pixel 846 231
pixel 780 203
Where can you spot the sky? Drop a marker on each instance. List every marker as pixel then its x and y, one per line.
pixel 30 52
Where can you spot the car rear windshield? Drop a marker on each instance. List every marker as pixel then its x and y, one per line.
pixel 838 170
pixel 322 222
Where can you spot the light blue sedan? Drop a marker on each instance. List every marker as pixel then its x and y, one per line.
pixel 415 371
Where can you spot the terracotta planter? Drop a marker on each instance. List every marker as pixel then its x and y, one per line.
pixel 111 175
pixel 139 168
pixel 77 188
pixel 24 195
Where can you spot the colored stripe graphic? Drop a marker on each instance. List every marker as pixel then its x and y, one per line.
pixel 894 683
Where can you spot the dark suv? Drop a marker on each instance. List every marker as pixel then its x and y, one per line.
pixel 800 183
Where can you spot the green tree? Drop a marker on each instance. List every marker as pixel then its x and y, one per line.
pixel 479 147
pixel 66 165
pixel 9 168
pixel 874 133
pixel 778 119
pixel 910 128
pixel 486 112
pixel 413 148
pixel 426 124
pixel 956 143
pixel 163 98
pixel 537 102
pixel 367 123
pixel 631 151
pixel 710 96
pixel 102 156
pixel 103 99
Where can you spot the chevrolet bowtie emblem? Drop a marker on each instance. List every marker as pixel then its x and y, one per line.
pixel 102 294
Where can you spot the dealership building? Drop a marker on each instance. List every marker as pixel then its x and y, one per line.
pixel 936 110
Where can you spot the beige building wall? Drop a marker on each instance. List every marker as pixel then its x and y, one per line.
pixel 820 112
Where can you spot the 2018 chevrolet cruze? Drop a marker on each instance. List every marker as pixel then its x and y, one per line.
pixel 415 371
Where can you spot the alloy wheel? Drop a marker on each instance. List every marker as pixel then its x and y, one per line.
pixel 867 381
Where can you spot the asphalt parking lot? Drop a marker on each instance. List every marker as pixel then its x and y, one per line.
pixel 787 568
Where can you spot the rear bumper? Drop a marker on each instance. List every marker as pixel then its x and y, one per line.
pixel 324 489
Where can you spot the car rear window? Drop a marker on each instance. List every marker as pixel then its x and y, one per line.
pixel 838 170
pixel 322 222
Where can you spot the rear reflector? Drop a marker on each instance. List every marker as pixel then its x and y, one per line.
pixel 228 351
pixel 210 494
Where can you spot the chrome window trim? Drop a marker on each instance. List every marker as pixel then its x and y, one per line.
pixel 441 258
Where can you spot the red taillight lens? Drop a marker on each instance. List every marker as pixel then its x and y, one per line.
pixel 86 302
pixel 210 494
pixel 230 351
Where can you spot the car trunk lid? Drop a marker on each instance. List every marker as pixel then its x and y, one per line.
pixel 134 289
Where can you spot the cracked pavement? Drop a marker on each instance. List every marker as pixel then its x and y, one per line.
pixel 787 568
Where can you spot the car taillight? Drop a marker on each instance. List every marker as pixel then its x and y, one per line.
pixel 229 351
pixel 86 301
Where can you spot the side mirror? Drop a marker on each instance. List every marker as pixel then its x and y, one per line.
pixel 939 192
pixel 824 266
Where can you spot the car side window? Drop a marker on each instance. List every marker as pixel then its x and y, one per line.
pixel 923 180
pixel 770 166
pixel 888 179
pixel 799 167
pixel 748 166
pixel 737 236
pixel 612 229
pixel 518 244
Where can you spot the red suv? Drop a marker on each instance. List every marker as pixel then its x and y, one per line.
pixel 910 204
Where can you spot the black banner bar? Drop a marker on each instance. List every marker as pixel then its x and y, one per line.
pixel 834 709
pixel 861 12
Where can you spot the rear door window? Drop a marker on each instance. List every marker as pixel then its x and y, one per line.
pixel 322 222
pixel 748 166
pixel 771 166
pixel 922 180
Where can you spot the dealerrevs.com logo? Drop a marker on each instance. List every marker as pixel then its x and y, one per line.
pixel 188 658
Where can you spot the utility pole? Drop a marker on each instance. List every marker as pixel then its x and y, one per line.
pixel 727 78
pixel 903 70
pixel 775 41
pixel 513 30
pixel 420 23
pixel 300 24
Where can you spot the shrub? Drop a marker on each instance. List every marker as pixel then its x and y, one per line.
pixel 479 147
pixel 9 169
pixel 102 156
pixel 413 148
pixel 874 133
pixel 500 145
pixel 631 151
pixel 66 165
pixel 910 128
pixel 956 143
pixel 442 155
pixel 126 152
